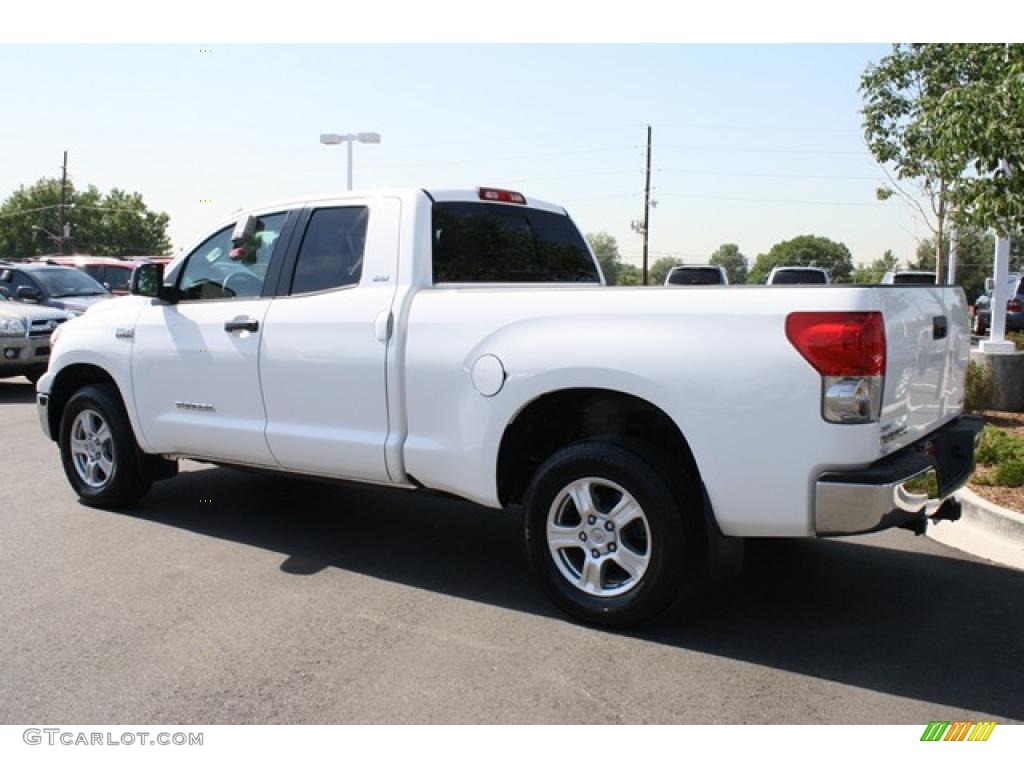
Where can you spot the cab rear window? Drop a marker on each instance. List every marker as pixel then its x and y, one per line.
pixel 494 243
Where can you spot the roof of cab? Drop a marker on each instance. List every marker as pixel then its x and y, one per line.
pixel 466 194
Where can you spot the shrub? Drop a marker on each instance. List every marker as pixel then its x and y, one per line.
pixel 980 388
pixel 997 446
pixel 1017 337
pixel 1010 472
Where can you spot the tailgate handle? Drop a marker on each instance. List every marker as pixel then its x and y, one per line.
pixel 939 327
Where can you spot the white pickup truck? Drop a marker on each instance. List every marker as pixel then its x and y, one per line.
pixel 463 341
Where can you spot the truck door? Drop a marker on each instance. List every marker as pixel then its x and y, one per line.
pixel 195 364
pixel 324 354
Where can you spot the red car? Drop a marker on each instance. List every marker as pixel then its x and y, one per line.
pixel 115 274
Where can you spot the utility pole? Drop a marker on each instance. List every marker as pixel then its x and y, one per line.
pixel 647 201
pixel 63 200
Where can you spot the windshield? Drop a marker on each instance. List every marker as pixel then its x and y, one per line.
pixel 65 281
pixel 799 277
pixel 695 276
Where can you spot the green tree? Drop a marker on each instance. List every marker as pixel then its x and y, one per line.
pixel 606 251
pixel 873 273
pixel 629 274
pixel 658 271
pixel 117 223
pixel 975 249
pixel 735 263
pixel 941 116
pixel 805 251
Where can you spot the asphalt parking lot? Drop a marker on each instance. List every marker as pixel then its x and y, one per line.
pixel 228 597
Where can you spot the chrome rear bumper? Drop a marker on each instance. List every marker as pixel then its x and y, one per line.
pixel 877 497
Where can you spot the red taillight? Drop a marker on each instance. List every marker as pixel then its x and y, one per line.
pixel 839 343
pixel 1013 305
pixel 501 196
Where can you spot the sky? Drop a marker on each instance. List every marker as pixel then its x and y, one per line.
pixel 752 144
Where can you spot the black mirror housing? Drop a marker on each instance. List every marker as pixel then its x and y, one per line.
pixel 148 280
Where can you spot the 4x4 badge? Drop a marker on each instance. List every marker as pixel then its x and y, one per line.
pixel 124 333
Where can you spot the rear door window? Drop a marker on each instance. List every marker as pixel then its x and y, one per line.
pixel 331 254
pixel 496 243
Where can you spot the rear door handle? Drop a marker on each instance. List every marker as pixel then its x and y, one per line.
pixel 242 324
pixel 939 327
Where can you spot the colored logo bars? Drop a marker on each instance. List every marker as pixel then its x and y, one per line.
pixel 958 730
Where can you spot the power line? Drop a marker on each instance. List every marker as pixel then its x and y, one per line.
pixel 507 157
pixel 632 171
pixel 769 150
pixel 765 200
pixel 821 177
pixel 604 197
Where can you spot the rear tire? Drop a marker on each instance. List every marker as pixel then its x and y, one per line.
pixel 101 458
pixel 607 533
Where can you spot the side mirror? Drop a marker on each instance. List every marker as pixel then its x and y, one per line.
pixel 244 229
pixel 148 280
pixel 990 283
pixel 28 293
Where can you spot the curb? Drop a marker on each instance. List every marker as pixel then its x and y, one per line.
pixel 985 530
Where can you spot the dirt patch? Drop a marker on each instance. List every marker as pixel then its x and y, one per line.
pixel 1008 420
pixel 1009 498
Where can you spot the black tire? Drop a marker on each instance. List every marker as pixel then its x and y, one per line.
pixel 668 514
pixel 128 479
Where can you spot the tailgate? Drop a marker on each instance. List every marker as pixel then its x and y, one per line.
pixel 927 348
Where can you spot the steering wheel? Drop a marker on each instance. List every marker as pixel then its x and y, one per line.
pixel 242 283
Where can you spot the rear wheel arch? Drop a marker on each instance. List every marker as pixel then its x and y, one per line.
pixel 559 418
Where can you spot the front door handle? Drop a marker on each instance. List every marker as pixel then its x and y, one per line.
pixel 242 324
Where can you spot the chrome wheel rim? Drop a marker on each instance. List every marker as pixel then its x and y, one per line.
pixel 92 449
pixel 599 537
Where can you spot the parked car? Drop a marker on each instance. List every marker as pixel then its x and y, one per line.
pixel 25 333
pixel 462 341
pixel 113 274
pixel 797 276
pixel 50 285
pixel 908 277
pixel 982 315
pixel 693 274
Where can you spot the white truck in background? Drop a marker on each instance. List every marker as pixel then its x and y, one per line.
pixel 463 341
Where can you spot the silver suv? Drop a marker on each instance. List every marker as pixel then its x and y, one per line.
pixel 25 332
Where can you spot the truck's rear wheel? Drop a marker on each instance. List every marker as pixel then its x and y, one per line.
pixel 101 459
pixel 606 535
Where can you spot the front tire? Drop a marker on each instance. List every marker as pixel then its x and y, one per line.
pixel 101 459
pixel 606 532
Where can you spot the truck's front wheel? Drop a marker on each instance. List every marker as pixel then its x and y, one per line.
pixel 101 459
pixel 606 535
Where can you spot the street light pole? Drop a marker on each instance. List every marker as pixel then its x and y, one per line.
pixel 996 343
pixel 350 139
